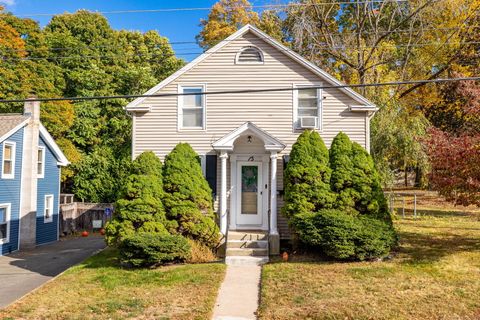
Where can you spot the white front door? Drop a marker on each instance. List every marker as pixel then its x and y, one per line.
pixel 249 194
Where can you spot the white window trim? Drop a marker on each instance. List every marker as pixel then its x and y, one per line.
pixel 42 175
pixel 251 62
pixel 14 151
pixel 181 88
pixel 203 164
pixel 319 102
pixel 45 220
pixel 8 206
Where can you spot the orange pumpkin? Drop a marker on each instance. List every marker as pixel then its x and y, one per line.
pixel 102 232
pixel 285 256
pixel 85 234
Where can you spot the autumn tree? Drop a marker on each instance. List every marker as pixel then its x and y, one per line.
pixel 397 143
pixel 227 16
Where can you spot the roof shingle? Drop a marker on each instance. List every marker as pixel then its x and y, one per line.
pixel 9 122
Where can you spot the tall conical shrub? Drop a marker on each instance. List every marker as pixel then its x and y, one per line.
pixel 188 197
pixel 307 176
pixel 355 179
pixel 140 207
pixel 342 173
pixel 371 200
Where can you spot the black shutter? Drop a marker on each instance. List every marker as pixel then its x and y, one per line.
pixel 211 172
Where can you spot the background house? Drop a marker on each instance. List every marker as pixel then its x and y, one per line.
pixel 244 138
pixel 29 181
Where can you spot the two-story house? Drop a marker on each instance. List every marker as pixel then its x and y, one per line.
pixel 29 181
pixel 244 137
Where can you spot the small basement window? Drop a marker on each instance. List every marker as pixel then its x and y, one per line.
pixel 249 55
pixel 4 222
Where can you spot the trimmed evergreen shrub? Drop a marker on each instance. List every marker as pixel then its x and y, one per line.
pixel 307 177
pixel 355 179
pixel 140 207
pixel 145 249
pixel 188 197
pixel 342 236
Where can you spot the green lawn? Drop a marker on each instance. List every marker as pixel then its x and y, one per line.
pixel 435 274
pixel 100 289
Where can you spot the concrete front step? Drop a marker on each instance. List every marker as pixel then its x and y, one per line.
pixel 253 252
pixel 247 235
pixel 261 244
pixel 246 260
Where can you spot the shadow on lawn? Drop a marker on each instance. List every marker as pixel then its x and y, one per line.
pixel 436 213
pixel 426 248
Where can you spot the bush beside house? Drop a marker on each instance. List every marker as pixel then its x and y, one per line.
pixel 307 183
pixel 156 222
pixel 140 207
pixel 188 197
pixel 352 222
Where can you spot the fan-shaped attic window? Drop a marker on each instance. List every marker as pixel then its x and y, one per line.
pixel 249 55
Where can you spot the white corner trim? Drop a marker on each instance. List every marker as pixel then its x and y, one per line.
pixel 11 132
pixel 8 207
pixel 13 160
pixel 62 160
pixel 288 52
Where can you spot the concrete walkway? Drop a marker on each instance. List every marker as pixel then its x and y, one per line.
pixel 239 294
pixel 22 272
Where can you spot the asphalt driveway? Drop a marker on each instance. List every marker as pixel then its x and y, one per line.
pixel 22 272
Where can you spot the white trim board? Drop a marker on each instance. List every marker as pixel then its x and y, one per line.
pixel 134 105
pixel 11 132
pixel 49 141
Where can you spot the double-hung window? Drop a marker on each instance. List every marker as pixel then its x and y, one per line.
pixel 308 111
pixel 8 161
pixel 48 208
pixel 41 162
pixel 4 222
pixel 191 107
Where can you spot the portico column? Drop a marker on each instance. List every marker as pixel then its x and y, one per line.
pixel 273 194
pixel 274 237
pixel 223 192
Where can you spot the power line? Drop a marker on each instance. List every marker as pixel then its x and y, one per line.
pixel 130 96
pixel 172 43
pixel 112 55
pixel 268 6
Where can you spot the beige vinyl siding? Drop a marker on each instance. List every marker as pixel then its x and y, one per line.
pixel 158 131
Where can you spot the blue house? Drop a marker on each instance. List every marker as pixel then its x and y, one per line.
pixel 30 164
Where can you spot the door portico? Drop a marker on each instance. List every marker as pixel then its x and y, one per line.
pixel 252 154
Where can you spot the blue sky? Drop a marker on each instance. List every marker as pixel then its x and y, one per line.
pixel 178 26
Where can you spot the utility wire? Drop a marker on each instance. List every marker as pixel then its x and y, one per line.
pixel 268 6
pixel 160 95
pixel 112 55
pixel 172 43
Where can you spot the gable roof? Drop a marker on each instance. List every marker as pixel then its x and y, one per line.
pixel 226 143
pixel 132 106
pixel 10 123
pixel 61 159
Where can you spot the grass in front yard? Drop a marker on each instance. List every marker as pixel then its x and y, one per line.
pixel 100 289
pixel 435 274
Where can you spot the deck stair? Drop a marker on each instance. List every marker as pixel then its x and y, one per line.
pixel 247 247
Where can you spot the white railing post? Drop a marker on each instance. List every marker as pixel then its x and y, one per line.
pixel 223 192
pixel 273 193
